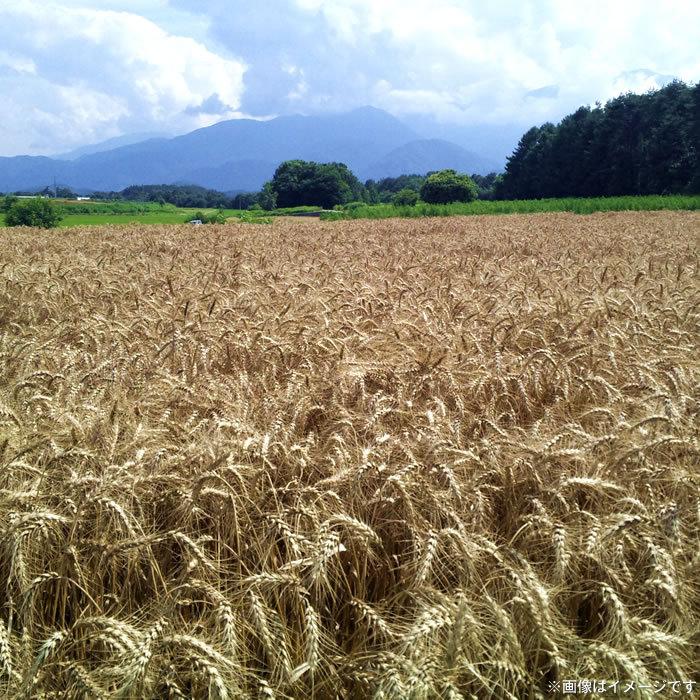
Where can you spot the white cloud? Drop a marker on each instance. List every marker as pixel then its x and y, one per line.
pixel 17 63
pixel 91 74
pixel 173 65
pixel 465 60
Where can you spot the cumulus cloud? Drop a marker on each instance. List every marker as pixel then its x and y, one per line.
pixel 75 74
pixel 177 64
pixel 546 92
pixel 16 63
pixel 458 60
pixel 473 60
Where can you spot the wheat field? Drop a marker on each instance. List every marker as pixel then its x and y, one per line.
pixel 438 458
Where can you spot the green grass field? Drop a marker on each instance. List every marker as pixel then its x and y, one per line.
pixel 101 213
pixel 529 206
pixel 106 213
pixel 151 217
pixel 96 213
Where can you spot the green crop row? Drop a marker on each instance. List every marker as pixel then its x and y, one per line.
pixel 526 206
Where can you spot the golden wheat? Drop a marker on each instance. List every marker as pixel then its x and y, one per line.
pixel 401 459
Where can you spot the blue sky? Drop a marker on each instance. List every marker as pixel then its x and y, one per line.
pixel 74 72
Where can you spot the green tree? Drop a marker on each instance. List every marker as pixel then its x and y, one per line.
pixel 8 201
pixel 448 186
pixel 694 184
pixel 372 191
pixel 405 198
pixel 33 212
pixel 267 198
pixel 303 183
pixel 385 189
pixel 635 144
pixel 190 196
pixel 485 184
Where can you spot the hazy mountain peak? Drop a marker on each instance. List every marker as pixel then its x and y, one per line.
pixel 640 80
pixel 240 154
pixel 110 144
pixel 423 155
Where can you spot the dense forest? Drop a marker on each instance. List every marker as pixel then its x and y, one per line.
pixel 634 144
pixel 384 191
pixel 179 195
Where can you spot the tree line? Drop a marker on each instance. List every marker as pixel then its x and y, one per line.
pixel 633 145
pixel 191 196
pixel 326 185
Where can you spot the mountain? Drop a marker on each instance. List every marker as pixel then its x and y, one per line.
pixel 109 144
pixel 425 155
pixel 237 175
pixel 18 173
pixel 495 142
pixel 240 154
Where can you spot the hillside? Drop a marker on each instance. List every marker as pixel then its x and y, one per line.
pixel 424 155
pixel 109 144
pixel 241 154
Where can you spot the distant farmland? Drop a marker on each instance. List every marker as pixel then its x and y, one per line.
pixel 575 205
pixel 97 212
pixel 435 458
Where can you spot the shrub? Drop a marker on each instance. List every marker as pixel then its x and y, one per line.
pixel 253 216
pixel 405 198
pixel 7 201
pixel 33 212
pixel 448 186
pixel 217 217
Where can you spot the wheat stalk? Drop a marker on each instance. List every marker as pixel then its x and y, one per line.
pixel 411 458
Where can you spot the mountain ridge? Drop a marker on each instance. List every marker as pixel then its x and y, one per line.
pixel 108 145
pixel 425 155
pixel 240 154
